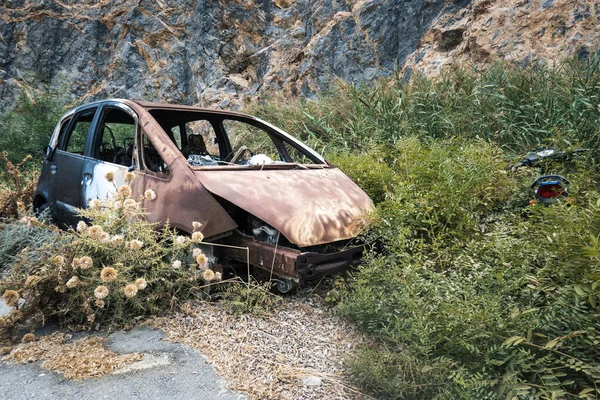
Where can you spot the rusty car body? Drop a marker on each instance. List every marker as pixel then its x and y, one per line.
pixel 266 197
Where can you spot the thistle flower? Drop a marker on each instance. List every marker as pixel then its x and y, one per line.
pixel 130 290
pixel 29 337
pixel 11 298
pixel 135 244
pixel 150 194
pixel 101 292
pixel 32 221
pixel 117 204
pixel 180 240
pixel 108 274
pixel 105 237
pixel 91 318
pixel 81 226
pixel 86 262
pixel 196 252
pixel 197 225
pixel 110 176
pixel 99 303
pixel 117 239
pixel 202 260
pixel 124 191
pixel 73 282
pixel 95 232
pixel 129 176
pixel 176 264
pixel 141 283
pixel 208 275
pixel 218 276
pixel 94 203
pixel 15 315
pixel 130 204
pixel 59 261
pixel 32 280
pixel 197 237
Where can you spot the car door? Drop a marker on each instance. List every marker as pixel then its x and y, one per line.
pixel 111 151
pixel 66 166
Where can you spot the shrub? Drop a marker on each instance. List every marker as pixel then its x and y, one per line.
pixel 110 272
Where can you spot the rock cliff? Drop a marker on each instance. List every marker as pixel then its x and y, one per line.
pixel 219 52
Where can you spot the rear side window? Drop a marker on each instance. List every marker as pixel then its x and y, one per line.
pixel 77 133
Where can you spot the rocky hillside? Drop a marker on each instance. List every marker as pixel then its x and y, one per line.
pixel 220 52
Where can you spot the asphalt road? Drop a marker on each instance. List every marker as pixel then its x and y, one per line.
pixel 168 371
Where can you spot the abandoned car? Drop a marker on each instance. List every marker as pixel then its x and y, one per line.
pixel 271 200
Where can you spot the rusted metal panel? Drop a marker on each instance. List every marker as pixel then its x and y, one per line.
pixel 280 260
pixel 308 206
pixel 181 198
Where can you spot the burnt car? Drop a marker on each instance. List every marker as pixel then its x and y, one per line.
pixel 272 200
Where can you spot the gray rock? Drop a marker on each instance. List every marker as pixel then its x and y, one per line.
pixel 181 50
pixel 312 381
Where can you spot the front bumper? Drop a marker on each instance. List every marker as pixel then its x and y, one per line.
pixel 289 263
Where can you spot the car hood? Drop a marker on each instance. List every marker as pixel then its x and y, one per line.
pixel 308 206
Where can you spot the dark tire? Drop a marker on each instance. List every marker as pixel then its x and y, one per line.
pixel 44 214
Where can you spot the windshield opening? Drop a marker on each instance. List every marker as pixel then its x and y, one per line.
pixel 212 140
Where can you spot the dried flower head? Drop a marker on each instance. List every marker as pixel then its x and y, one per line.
pixel 197 225
pixel 124 191
pixel 101 292
pixel 129 176
pixel 141 283
pixel 15 315
pixel 176 264
pixel 130 290
pixel 108 274
pixel 95 232
pixel 59 261
pixel 150 194
pixel 4 322
pixel 99 303
pixel 117 204
pixel 5 349
pixel 197 237
pixel 11 298
pixel 208 275
pixel 81 226
pixel 86 262
pixel 94 204
pixel 130 204
pixel 73 282
pixel 29 337
pixel 135 244
pixel 218 276
pixel 117 239
pixel 202 260
pixel 110 176
pixel 180 240
pixel 32 280
pixel 105 237
pixel 196 252
pixel 91 318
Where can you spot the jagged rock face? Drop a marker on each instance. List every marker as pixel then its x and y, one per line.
pixel 519 31
pixel 206 51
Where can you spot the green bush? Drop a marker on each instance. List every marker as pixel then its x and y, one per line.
pixel 476 291
pixel 26 129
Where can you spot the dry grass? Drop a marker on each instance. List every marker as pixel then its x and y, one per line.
pixel 268 357
pixel 81 359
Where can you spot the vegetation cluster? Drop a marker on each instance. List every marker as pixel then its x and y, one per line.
pixel 472 289
pixel 475 290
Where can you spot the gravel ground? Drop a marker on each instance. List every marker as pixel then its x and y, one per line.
pixel 167 371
